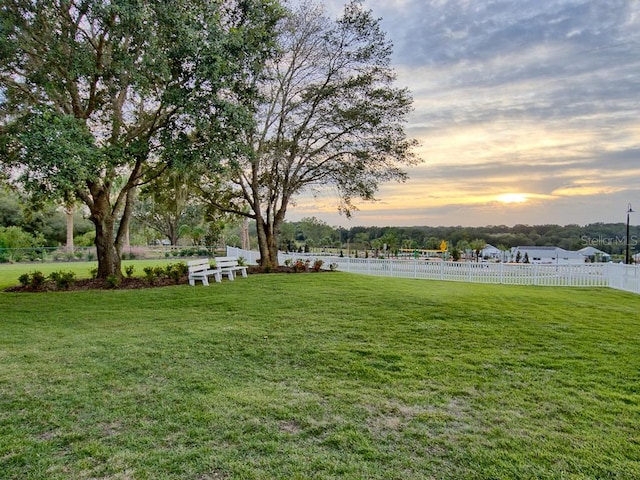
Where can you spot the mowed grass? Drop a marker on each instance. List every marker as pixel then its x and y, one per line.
pixel 321 376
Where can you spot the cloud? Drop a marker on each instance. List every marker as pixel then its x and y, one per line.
pixel 533 97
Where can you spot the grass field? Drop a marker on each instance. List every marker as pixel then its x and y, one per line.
pixel 320 376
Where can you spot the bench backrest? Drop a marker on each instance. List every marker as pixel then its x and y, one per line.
pixel 198 265
pixel 225 262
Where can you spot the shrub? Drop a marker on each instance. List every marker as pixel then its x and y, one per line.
pixel 16 237
pixel 301 265
pixel 63 280
pixel 129 270
pixel 317 265
pixel 288 262
pixel 37 279
pixel 36 254
pixel 176 271
pixel 24 279
pixel 333 267
pixel 34 280
pixel 150 274
pixel 94 272
pixel 112 281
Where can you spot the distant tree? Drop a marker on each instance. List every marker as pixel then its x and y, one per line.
pixel 390 241
pixel 10 208
pixel 196 233
pixel 518 257
pixel 94 90
pixel 432 243
pixel 15 237
pixel 330 116
pixel 167 203
pixel 361 240
pixel 409 244
pixel 313 230
pixel 464 247
pixel 503 252
pixel 477 245
pixel 288 237
pixel 526 257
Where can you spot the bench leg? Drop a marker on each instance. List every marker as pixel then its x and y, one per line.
pixel 192 281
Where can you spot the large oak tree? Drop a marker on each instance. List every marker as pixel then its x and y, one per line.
pixel 329 116
pixel 98 97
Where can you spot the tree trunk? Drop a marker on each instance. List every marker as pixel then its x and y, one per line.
pixel 127 239
pixel 108 251
pixel 69 213
pixel 172 231
pixel 109 262
pixel 267 243
pixel 246 245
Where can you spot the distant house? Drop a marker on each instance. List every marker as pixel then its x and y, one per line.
pixel 546 255
pixel 594 255
pixel 489 251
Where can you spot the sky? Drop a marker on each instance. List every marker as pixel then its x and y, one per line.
pixel 527 112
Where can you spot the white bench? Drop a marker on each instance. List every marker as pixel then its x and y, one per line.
pixel 229 266
pixel 201 270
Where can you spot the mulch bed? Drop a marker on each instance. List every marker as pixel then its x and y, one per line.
pixel 135 282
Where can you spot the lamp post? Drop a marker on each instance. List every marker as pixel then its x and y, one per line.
pixel 626 257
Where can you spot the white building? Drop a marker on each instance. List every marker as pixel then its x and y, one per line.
pixel 491 252
pixel 595 254
pixel 546 255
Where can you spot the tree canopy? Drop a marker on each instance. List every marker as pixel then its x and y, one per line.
pixel 329 116
pixel 98 97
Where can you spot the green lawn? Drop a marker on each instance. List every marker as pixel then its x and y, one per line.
pixel 320 376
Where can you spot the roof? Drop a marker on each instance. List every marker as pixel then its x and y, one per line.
pixel 545 251
pixel 592 251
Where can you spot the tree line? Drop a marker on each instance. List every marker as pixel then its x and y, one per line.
pixel 607 237
pixel 164 215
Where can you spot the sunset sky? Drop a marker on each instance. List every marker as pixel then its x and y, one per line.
pixel 527 111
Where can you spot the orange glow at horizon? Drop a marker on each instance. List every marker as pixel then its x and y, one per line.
pixel 512 198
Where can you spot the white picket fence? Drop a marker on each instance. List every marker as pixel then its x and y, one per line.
pixel 621 277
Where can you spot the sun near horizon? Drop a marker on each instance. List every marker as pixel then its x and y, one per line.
pixel 512 198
